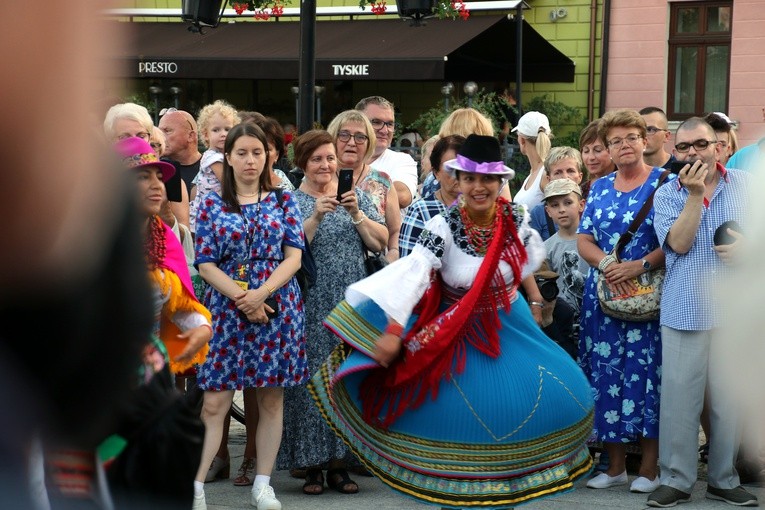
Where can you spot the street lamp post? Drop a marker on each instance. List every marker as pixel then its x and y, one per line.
pixel 470 89
pixel 175 90
pixel 155 91
pixel 447 90
pixel 319 91
pixel 296 93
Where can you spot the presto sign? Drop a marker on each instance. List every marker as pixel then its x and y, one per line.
pixel 157 67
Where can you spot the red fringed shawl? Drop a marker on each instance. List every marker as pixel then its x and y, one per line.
pixel 436 344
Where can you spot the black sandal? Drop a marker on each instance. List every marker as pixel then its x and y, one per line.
pixel 704 453
pixel 314 482
pixel 338 480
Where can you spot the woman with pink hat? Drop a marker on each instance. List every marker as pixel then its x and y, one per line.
pixel 183 323
pixel 446 388
pixel 163 433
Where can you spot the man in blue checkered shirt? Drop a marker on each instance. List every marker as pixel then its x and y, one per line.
pixel 688 212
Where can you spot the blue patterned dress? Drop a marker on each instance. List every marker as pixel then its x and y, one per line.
pixel 244 354
pixel 622 359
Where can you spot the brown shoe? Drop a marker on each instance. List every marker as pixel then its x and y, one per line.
pixel 246 475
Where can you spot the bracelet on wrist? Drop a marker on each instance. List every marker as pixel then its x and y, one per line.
pixel 394 329
pixel 605 262
pixel 270 289
pixel 361 218
pixel 537 303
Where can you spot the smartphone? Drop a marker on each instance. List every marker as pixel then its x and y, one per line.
pixel 344 182
pixel 271 301
pixel 676 166
pixel 722 236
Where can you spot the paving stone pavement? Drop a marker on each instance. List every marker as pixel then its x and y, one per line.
pixel 374 495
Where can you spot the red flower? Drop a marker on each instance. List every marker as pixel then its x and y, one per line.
pixel 272 380
pixel 291 220
pixel 208 202
pixel 251 372
pixel 232 377
pixel 271 344
pixel 223 351
pixel 236 236
pixel 233 342
pixel 217 365
pixel 266 358
pixel 239 8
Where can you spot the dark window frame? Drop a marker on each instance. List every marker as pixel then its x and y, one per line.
pixel 701 41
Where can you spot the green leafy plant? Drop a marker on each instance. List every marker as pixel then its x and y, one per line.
pixel 565 119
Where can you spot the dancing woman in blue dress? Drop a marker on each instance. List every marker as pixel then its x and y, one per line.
pixel 445 387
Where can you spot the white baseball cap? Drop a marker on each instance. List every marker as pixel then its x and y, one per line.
pixel 532 123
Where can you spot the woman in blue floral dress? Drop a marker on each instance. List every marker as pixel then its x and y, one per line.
pixel 621 358
pixel 249 246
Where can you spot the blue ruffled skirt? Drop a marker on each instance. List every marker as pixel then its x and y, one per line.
pixel 505 431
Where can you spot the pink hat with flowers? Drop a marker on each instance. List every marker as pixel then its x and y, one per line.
pixel 137 153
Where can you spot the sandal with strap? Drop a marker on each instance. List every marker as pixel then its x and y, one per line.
pixel 339 480
pixel 314 482
pixel 246 475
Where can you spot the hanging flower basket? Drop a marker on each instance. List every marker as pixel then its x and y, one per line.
pixel 418 10
pixel 262 9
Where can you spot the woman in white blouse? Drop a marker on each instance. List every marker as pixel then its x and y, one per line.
pixel 446 389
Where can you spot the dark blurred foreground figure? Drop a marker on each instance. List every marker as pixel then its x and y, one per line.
pixel 73 294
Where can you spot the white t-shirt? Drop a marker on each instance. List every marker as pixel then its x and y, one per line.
pixel 400 166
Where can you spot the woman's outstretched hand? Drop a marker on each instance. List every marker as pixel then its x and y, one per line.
pixel 387 348
pixel 197 338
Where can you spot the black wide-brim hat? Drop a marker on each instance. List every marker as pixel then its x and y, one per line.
pixel 480 155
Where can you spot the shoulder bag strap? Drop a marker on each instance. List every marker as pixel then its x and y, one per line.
pixel 627 236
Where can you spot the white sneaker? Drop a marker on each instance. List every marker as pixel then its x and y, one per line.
pixel 263 498
pixel 603 481
pixel 644 485
pixel 199 502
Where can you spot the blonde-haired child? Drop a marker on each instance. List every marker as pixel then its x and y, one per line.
pixel 214 122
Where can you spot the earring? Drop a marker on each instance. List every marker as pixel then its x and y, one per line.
pixel 461 201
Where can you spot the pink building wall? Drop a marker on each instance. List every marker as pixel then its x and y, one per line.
pixel 637 65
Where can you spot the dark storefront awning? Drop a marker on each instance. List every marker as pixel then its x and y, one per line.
pixel 481 48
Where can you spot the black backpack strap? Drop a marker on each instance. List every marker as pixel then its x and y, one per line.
pixel 625 238
pixel 550 225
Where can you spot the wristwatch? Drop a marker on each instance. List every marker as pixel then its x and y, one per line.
pixel 646 265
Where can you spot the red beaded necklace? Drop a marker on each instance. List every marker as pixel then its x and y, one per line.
pixel 479 237
pixel 154 244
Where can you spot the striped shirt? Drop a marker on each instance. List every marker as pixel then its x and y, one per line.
pixel 694 279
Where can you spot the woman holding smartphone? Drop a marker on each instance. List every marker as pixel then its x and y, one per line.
pixel 354 139
pixel 335 230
